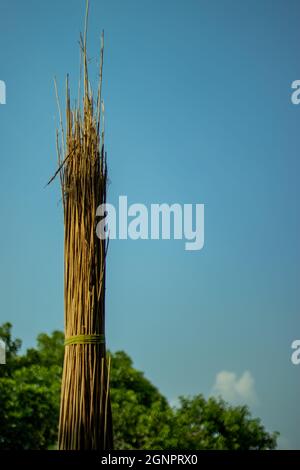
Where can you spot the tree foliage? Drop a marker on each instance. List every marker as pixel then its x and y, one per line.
pixel 213 424
pixel 142 417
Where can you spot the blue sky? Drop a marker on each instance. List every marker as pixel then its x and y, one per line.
pixel 198 110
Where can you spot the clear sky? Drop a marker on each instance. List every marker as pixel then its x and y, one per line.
pixel 198 110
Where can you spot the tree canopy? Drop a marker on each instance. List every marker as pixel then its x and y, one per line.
pixel 142 417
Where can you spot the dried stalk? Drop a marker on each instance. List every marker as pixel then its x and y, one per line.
pixel 85 413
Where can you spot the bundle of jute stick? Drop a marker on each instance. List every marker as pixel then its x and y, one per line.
pixel 85 414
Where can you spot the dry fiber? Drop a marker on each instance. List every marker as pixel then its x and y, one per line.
pixel 85 413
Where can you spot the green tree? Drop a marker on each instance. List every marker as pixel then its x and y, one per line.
pixel 49 351
pixel 12 348
pixel 143 419
pixel 213 424
pixel 29 392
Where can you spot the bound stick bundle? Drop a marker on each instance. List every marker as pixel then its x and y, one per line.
pixel 85 414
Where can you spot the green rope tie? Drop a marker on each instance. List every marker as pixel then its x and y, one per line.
pixel 85 339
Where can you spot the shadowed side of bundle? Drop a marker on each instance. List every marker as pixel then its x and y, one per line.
pixel 85 414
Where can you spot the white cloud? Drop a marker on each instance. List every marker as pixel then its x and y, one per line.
pixel 283 443
pixel 2 352
pixel 174 403
pixel 236 390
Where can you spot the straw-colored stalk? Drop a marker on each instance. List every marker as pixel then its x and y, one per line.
pixel 85 414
